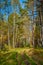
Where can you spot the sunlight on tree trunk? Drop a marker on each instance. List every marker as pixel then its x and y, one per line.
pixel 8 38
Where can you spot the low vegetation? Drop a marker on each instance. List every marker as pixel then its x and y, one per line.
pixel 22 56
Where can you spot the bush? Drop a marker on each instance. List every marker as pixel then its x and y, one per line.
pixel 4 48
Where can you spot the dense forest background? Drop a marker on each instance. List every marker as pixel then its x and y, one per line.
pixel 21 23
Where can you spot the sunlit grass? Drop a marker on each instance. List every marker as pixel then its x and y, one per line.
pixel 22 56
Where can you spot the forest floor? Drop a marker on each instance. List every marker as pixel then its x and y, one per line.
pixel 22 56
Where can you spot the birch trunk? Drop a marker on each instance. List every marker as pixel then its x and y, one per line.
pixel 14 33
pixel 8 38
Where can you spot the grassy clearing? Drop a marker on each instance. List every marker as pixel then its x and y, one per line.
pixel 22 56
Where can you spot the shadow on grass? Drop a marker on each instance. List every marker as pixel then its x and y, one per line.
pixel 33 57
pixel 14 58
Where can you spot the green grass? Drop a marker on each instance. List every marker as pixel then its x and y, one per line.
pixel 22 56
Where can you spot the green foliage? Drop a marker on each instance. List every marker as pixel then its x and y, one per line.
pixel 15 58
pixel 5 48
